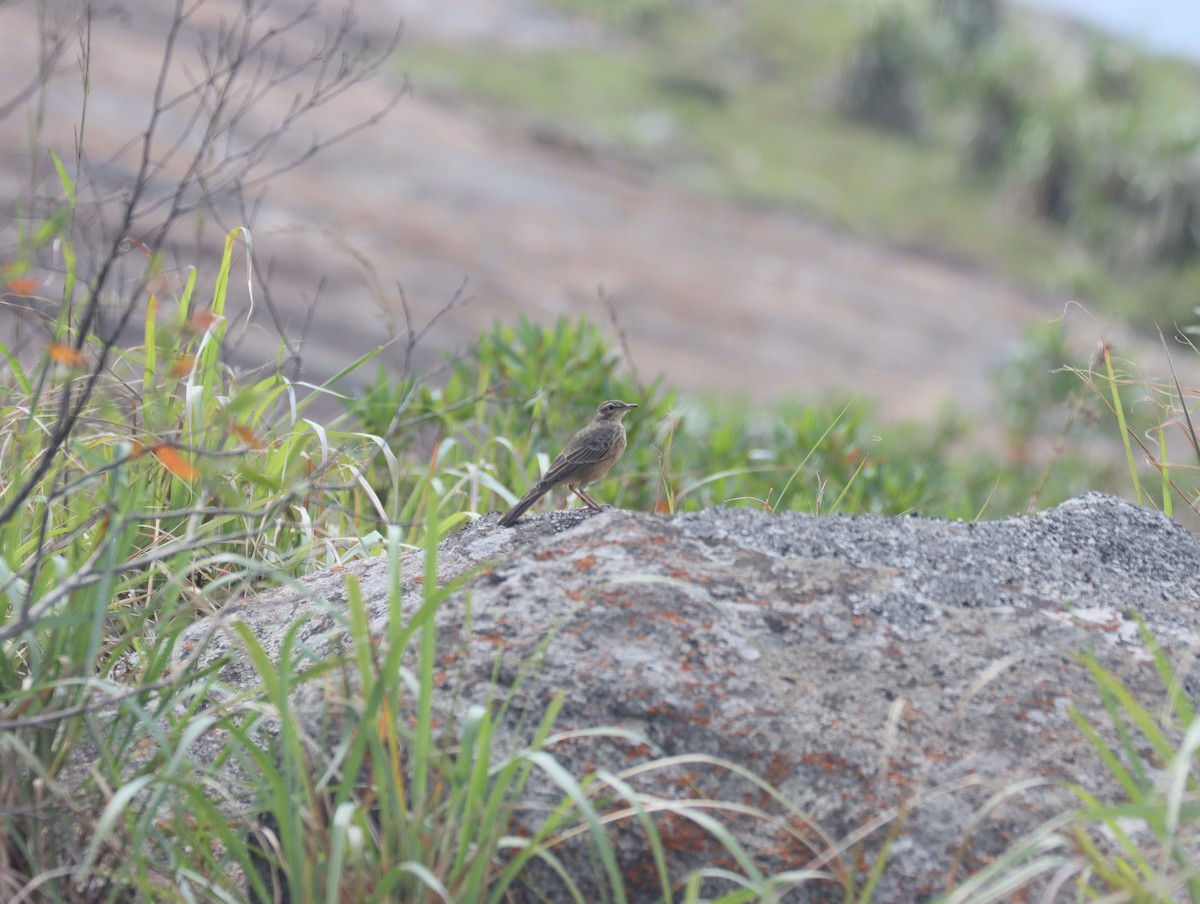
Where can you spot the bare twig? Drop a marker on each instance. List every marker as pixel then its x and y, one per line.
pixel 240 69
pixel 611 307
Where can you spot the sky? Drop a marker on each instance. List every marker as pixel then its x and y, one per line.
pixel 1170 26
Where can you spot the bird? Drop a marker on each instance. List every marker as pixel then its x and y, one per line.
pixel 587 458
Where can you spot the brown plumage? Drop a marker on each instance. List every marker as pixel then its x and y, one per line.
pixel 587 458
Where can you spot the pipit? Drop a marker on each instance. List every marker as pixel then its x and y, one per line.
pixel 587 458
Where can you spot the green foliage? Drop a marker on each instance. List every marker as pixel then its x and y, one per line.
pixel 881 81
pixel 1037 381
pixel 140 486
pixel 974 23
pixel 808 457
pixel 387 811
pixel 1154 763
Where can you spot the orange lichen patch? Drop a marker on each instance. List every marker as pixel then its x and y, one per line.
pixel 585 563
pixel 897 780
pixel 862 864
pixel 521 831
pixel 679 833
pixel 778 770
pixel 685 780
pixel 797 848
pixel 617 598
pixel 643 874
pixel 638 693
pixel 638 751
pixel 1042 700
pixel 653 539
pixel 704 691
pixel 826 760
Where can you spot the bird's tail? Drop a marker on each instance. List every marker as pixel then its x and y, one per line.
pixel 510 517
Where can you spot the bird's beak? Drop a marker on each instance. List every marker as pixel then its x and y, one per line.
pixel 631 405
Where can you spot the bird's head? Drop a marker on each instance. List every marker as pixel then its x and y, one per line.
pixel 613 410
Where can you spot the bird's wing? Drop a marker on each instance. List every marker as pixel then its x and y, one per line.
pixel 585 450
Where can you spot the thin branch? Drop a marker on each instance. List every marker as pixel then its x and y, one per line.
pixel 222 102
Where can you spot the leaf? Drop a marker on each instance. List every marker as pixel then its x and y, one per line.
pixel 169 457
pixel 24 285
pixel 201 321
pixel 183 365
pixel 66 354
pixel 247 436
pixel 63 178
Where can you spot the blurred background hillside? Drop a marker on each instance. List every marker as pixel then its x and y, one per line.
pixel 765 199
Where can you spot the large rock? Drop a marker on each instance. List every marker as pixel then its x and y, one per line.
pixel 860 664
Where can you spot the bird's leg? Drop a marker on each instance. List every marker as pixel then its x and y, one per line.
pixel 588 500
